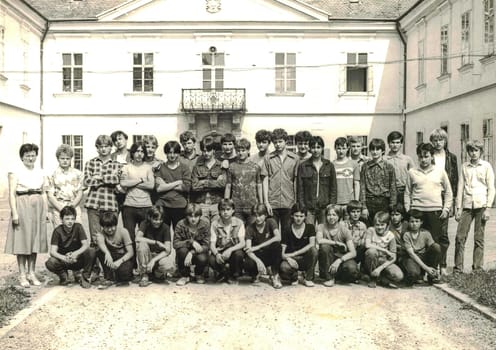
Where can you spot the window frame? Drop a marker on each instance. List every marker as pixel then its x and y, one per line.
pixel 489 24
pixel 368 81
pixel 465 32
pixel 215 70
pixel 146 72
pixel 464 138
pixel 285 73
pixel 487 139
pixel 72 68
pixel 444 50
pixel 77 144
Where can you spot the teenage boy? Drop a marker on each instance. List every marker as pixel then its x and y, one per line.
pixel 401 163
pixel 302 140
pixel 115 251
pixel 474 201
pixel 347 174
pixel 228 155
pixel 377 183
pixel 151 144
pixel 189 156
pixel 191 242
pixel 70 250
pixel 279 175
pixel 101 176
pixel 422 253
pixel 227 240
pixel 65 185
pixel 121 154
pixel 244 183
pixel 428 190
pixel 380 256
pixel 316 182
pixel 262 139
pixel 357 228
pixel 356 154
pixel 398 227
pixel 208 180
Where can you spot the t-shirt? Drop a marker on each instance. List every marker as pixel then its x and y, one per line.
pixel 347 173
pixel 174 198
pixel 137 197
pixel 116 243
pixel 161 234
pixel 258 237
pixel 68 241
pixel 420 243
pixel 340 233
pixel 294 243
pixel 386 241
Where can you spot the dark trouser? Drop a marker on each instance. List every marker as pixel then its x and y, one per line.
pixel 347 271
pixel 374 258
pixel 360 254
pixel 245 215
pixel 200 261
pixel 315 216
pixel 235 264
pixel 132 216
pixel 123 273
pixel 306 262
pixel 375 205
pixel 84 261
pixel 400 199
pixel 173 215
pixel 439 231
pixel 413 271
pixel 270 255
pixel 467 216
pixel 283 217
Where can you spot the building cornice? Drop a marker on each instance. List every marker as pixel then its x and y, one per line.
pixel 25 14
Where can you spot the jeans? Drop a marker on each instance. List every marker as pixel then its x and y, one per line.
pixel 347 271
pixel 375 205
pixel 199 261
pixel 315 216
pixel 439 230
pixel 306 262
pixel 210 211
pixel 374 258
pixel 123 273
pixel 283 218
pixel 84 261
pixel 413 271
pixel 144 255
pixel 235 262
pixel 467 216
pixel 173 215
pixel 270 255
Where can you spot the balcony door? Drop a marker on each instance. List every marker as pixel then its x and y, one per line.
pixel 213 70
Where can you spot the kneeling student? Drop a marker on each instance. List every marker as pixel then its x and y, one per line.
pixel 380 256
pixel 423 254
pixel 191 242
pixel 263 246
pixel 227 240
pixel 115 251
pixel 298 248
pixel 70 250
pixel 336 246
pixel 153 246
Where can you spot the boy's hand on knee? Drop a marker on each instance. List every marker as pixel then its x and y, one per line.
pixel 188 259
pixel 292 262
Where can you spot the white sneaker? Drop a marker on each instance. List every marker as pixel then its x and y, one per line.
pixel 444 271
pixel 182 281
pixel 308 283
pixel 329 283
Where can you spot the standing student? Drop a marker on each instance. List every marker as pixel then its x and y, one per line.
pixel 302 140
pixel 244 183
pixel 356 154
pixel 316 182
pixel 279 175
pixel 65 185
pixel 401 163
pixel 298 248
pixel 336 249
pixel 121 154
pixel 262 140
pixel 428 190
pixel 151 145
pixel 473 203
pixel 377 182
pixel 228 154
pixel 188 156
pixel 347 174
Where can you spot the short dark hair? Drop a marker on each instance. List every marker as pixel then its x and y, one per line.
pixel 28 147
pixel 395 135
pixel 299 208
pixel 155 213
pixel 303 136
pixel 279 134
pixel 185 136
pixel 263 135
pixel 417 214
pixel 425 147
pixel 108 219
pixel 316 140
pixel 68 210
pixel 377 144
pixel 115 134
pixel 259 209
pixel 353 205
pixel 228 137
pixel 103 140
pixel 208 143
pixel 243 143
pixel 135 147
pixel 382 217
pixel 225 203
pixel 341 141
pixel 172 146
pixel 193 209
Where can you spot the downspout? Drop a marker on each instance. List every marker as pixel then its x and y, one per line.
pixel 42 44
pixel 403 107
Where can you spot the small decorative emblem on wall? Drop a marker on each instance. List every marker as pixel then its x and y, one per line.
pixel 213 6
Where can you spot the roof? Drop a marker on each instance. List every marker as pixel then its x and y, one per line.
pixel 348 9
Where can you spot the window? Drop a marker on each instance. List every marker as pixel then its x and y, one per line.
pixel 487 138
pixel 419 138
pixel 489 26
pixel 464 137
pixel 72 72
pixel 76 142
pixel 421 63
pixel 465 54
pixel 285 72
pixel 143 72
pixel 363 140
pixel 213 70
pixel 358 73
pixel 139 138
pixel 291 144
pixel 444 49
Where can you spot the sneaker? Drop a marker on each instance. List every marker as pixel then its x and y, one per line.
pixel 145 282
pixel 329 283
pixel 23 281
pixel 122 284
pixel 200 279
pixel 84 283
pixel 63 279
pixel 182 281
pixel 372 283
pixel 308 283
pixel 276 282
pixel 232 281
pixel 444 271
pixel 33 280
pixel 105 284
pixel 434 280
pixel 137 279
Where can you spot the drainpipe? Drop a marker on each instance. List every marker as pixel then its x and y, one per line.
pixel 42 44
pixel 403 107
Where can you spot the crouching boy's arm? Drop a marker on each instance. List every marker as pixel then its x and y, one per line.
pixel 55 254
pixel 226 254
pixel 411 253
pixel 85 244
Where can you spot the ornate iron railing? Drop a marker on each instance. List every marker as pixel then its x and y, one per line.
pixel 213 100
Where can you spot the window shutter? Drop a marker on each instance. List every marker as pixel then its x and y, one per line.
pixel 342 79
pixel 370 79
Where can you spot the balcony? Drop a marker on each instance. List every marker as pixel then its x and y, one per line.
pixel 213 100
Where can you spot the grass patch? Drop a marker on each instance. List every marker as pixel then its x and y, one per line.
pixel 12 299
pixel 479 285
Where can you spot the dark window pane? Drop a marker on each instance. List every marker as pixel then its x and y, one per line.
pixel 356 79
pixel 207 59
pixel 66 85
pixel 78 59
pixel 137 85
pixel 78 140
pixel 362 58
pixel 148 59
pixel 66 74
pixel 219 84
pixel 78 85
pixel 148 85
pixel 207 74
pixel 137 59
pixel 78 73
pixel 219 74
pixel 351 58
pixel 136 73
pixel 66 59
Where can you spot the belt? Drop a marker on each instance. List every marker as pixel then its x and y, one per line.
pixel 29 192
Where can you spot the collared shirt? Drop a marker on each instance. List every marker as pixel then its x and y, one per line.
pixel 224 236
pixel 208 184
pixel 190 160
pixel 244 178
pixel 101 195
pixel 65 185
pixel 185 234
pixel 281 175
pixel 258 159
pixel 401 163
pixel 425 190
pixel 378 180
pixel 476 186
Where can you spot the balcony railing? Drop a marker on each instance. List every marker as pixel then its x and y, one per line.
pixel 213 100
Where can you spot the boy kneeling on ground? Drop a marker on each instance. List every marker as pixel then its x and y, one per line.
pixel 115 251
pixel 70 250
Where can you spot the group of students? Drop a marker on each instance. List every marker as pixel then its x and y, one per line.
pixel 382 219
